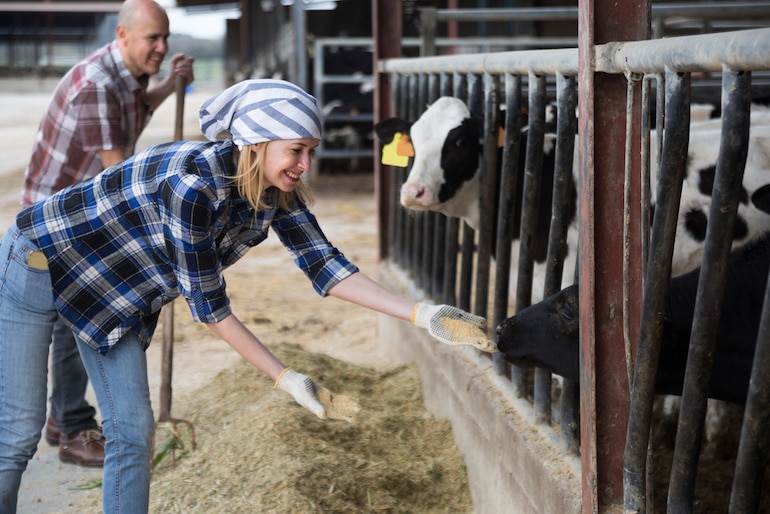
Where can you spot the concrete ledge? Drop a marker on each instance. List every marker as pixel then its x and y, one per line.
pixel 513 464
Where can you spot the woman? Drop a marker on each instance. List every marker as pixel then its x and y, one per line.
pixel 164 223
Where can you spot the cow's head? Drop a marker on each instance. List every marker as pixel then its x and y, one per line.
pixel 447 147
pixel 545 335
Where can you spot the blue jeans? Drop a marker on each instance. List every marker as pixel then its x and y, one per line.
pixel 69 382
pixel 119 379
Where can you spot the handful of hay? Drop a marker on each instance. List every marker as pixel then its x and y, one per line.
pixel 469 334
pixel 338 406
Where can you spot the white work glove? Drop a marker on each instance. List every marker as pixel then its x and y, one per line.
pixel 453 326
pixel 315 398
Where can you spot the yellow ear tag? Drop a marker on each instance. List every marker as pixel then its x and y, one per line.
pixel 390 156
pixel 500 137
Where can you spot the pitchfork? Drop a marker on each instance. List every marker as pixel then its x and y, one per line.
pixel 168 324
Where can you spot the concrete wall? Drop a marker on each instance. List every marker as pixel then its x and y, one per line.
pixel 513 465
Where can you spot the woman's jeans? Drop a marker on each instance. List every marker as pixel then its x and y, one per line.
pixel 27 316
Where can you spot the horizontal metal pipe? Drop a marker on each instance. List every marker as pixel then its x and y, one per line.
pixel 737 50
pixel 721 10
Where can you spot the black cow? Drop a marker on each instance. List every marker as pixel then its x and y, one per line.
pixel 546 334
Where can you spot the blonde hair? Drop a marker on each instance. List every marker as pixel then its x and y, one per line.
pixel 251 180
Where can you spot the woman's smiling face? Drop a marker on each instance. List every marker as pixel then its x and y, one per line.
pixel 286 160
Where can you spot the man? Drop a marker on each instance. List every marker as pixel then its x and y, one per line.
pixel 94 119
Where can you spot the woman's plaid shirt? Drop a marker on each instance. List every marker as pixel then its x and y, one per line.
pixel 165 222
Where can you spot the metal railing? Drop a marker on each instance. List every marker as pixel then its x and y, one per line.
pixel 426 247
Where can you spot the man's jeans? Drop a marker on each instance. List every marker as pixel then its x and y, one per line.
pixel 69 407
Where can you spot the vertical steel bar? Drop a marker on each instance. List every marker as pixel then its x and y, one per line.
pixel 401 96
pixel 533 171
pixel 414 220
pixel 490 178
pixel 563 201
pixel 464 89
pixel 438 250
pixel 508 193
pixel 669 189
pixel 728 184
pixel 452 228
pixel 754 446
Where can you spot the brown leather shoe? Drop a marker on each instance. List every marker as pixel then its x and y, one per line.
pixel 52 432
pixel 85 449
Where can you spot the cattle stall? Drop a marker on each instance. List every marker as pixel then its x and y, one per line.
pixel 503 416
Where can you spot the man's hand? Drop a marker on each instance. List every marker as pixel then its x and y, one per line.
pixel 181 66
pixel 453 326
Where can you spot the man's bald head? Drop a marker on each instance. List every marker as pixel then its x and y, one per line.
pixel 142 36
pixel 133 11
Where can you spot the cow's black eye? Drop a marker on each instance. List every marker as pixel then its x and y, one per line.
pixel 567 311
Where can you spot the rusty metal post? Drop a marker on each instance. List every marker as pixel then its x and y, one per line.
pixel 604 385
pixel 386 27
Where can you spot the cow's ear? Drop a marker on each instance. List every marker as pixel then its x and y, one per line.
pixel 761 198
pixel 477 122
pixel 388 128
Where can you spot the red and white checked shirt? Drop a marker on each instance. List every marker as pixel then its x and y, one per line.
pixel 97 105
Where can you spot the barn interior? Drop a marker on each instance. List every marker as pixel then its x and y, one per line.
pixel 329 48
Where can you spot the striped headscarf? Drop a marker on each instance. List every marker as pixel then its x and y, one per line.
pixel 253 111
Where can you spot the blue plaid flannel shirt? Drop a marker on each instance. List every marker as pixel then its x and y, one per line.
pixel 165 222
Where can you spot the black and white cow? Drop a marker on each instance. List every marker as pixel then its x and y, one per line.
pixel 445 177
pixel 547 334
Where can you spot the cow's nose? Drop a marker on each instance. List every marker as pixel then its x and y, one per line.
pixel 414 190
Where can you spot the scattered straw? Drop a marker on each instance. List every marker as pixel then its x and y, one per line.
pixel 258 451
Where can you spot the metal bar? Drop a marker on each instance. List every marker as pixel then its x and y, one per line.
pixel 452 228
pixel 728 184
pixel 754 446
pixel 61 7
pixel 669 190
pixel 462 87
pixel 490 178
pixel 404 227
pixel 533 175
pixel 508 193
pixel 438 220
pixel 416 219
pixel 744 49
pixel 739 50
pixel 566 97
pixel 716 10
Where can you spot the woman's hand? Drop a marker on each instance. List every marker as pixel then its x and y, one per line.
pixel 453 326
pixel 317 399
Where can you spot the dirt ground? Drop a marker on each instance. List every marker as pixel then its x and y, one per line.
pixel 257 451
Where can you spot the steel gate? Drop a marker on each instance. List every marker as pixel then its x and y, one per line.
pixel 451 263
